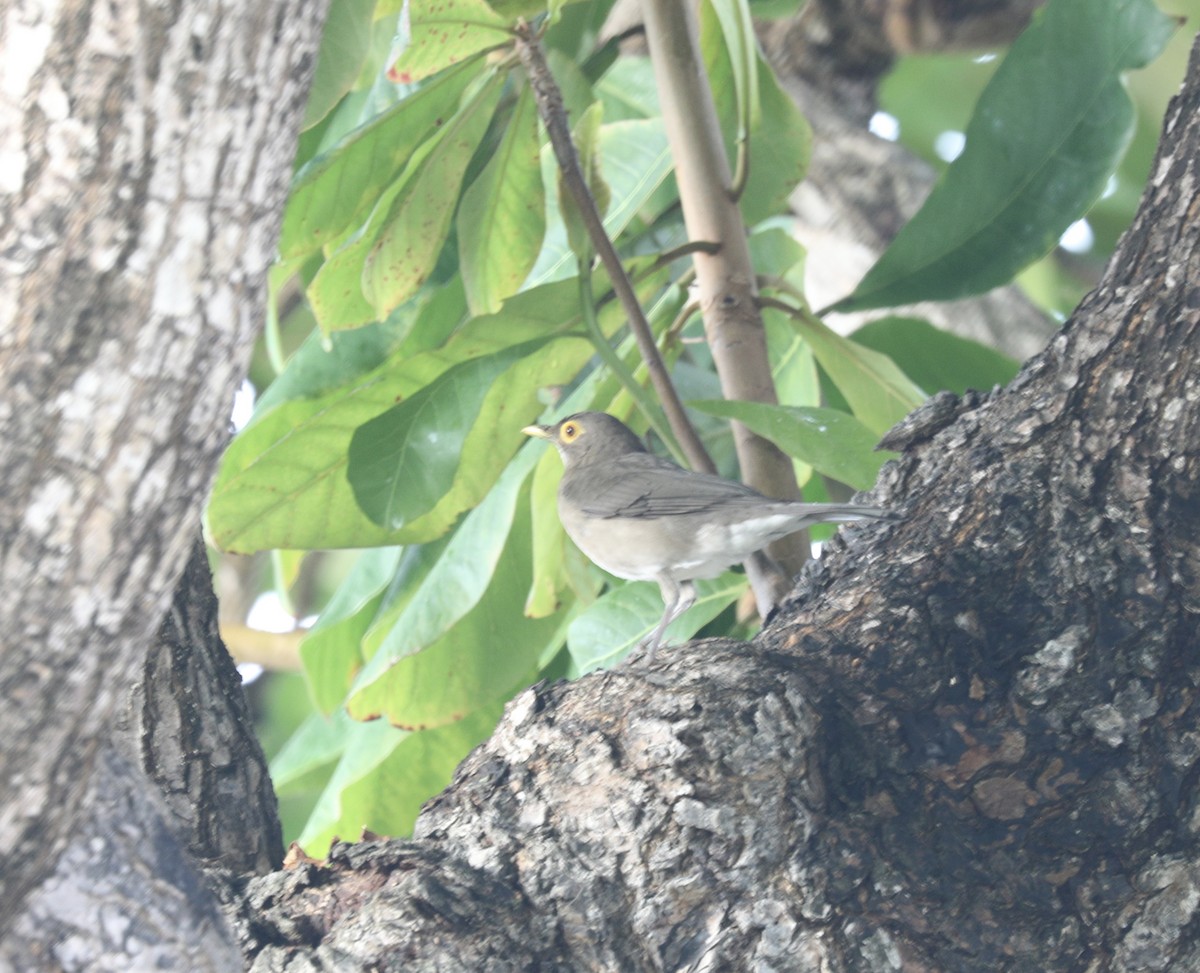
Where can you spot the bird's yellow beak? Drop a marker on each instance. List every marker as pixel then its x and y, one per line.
pixel 538 432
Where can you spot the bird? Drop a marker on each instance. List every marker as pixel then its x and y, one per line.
pixel 641 517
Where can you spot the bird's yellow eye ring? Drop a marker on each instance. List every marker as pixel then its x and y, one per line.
pixel 570 432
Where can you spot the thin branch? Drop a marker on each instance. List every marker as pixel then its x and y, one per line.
pixel 618 367
pixel 550 107
pixel 791 310
pixel 726 280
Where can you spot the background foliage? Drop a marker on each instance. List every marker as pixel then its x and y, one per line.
pixel 429 302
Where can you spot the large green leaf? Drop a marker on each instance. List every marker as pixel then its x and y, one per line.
pixel 385 775
pixel 586 138
pixel 318 741
pixel 779 139
pixel 878 392
pixel 741 45
pixel 628 90
pixel 336 190
pixel 463 642
pixel 832 442
pixel 502 218
pixel 337 294
pixel 548 571
pixel 780 150
pixel 403 461
pixel 936 359
pixel 609 629
pixel 345 42
pixel 331 650
pixel 507 407
pixel 635 161
pixel 282 481
pixel 1047 132
pixel 418 222
pixel 325 362
pixel 445 32
pixel 452 585
pixel 793 365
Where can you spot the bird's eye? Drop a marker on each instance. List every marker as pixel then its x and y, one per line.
pixel 569 432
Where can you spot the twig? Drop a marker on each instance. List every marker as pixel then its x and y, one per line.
pixel 554 116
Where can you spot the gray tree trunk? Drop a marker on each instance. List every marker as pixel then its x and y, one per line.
pixel 145 154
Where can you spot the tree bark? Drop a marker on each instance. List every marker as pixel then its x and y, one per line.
pixel 968 742
pixel 144 160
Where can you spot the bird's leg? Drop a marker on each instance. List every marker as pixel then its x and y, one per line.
pixel 678 597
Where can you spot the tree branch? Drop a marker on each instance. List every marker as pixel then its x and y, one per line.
pixel 725 279
pixel 554 116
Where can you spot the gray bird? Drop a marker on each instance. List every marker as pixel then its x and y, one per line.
pixel 643 518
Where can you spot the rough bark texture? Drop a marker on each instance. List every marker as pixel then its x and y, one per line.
pixel 968 743
pixel 179 807
pixel 145 152
pixel 188 726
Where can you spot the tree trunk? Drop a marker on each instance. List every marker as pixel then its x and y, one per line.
pixel 969 741
pixel 146 153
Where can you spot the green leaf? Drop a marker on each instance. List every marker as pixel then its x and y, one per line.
pixel 385 775
pixel 325 362
pixel 1047 132
pixel 878 392
pixel 628 89
pixel 832 442
pixel 936 359
pixel 635 161
pixel 463 641
pixel 793 366
pixel 319 740
pixel 336 191
pixel 335 294
pixel 418 222
pixel 610 628
pixel 282 481
pixel 507 407
pixel 586 136
pixel 345 43
pixel 403 461
pixel 364 747
pixel 445 32
pixel 331 650
pixel 737 28
pixel 502 218
pixel 446 589
pixel 776 252
pixel 780 150
pixel 548 570
pixel 780 140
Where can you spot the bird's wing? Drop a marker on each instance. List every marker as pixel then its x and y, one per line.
pixel 645 485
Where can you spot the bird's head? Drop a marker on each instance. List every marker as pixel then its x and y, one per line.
pixel 588 437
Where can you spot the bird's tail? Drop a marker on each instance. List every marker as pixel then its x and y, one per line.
pixel 840 513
